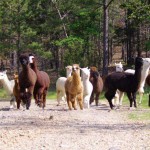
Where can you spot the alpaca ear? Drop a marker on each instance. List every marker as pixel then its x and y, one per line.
pixel 86 67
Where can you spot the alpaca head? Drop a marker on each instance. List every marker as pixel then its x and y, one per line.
pixel 138 63
pixel 85 73
pixel 31 58
pixel 69 70
pixel 24 60
pixel 95 75
pixel 93 68
pixel 3 75
pixel 146 63
pixel 75 69
pixel 119 67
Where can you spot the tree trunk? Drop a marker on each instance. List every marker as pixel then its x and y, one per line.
pixel 105 39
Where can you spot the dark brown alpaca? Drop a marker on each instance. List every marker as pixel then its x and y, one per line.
pixel 97 83
pixel 42 83
pixel 125 82
pixel 27 80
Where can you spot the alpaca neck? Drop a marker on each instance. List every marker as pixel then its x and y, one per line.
pixel 76 79
pixel 7 85
pixel 144 74
pixel 68 74
pixel 137 76
pixel 34 66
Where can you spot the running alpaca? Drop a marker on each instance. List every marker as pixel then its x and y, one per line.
pixel 42 83
pixel 8 86
pixel 74 88
pixel 97 83
pixel 60 85
pixel 144 73
pixel 87 87
pixel 16 90
pixel 27 80
pixel 125 82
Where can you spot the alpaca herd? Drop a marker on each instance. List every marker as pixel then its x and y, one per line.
pixel 76 89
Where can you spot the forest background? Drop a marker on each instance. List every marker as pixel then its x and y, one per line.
pixel 62 32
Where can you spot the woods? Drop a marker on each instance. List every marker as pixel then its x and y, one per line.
pixel 64 32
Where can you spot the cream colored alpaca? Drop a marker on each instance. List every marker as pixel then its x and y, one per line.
pixel 60 86
pixel 74 88
pixel 87 86
pixel 8 86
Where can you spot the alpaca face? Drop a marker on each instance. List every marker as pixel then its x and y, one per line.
pixel 138 62
pixel 24 60
pixel 69 70
pixel 2 75
pixel 146 62
pixel 75 68
pixel 119 67
pixel 85 73
pixel 31 59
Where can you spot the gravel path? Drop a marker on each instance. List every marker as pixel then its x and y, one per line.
pixel 57 128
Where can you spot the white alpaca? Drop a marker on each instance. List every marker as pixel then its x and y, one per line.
pixel 119 67
pixel 60 85
pixel 8 86
pixel 87 87
pixel 144 73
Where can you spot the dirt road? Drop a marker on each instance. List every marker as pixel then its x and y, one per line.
pixel 57 128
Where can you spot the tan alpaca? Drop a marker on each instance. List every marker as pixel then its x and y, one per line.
pixel 74 88
pixel 16 90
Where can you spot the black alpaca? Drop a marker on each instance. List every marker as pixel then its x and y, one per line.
pixel 124 82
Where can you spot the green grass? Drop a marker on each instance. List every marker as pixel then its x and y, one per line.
pixel 139 116
pixel 3 93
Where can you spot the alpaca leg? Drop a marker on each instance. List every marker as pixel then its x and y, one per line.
pixel 121 95
pixel 28 97
pixel 141 96
pixel 86 101
pixel 80 101
pixel 130 99
pixel 12 103
pixel 44 98
pixel 134 99
pixel 92 98
pixel 109 96
pixel 74 104
pixel 68 101
pixel 58 97
pixel 18 102
pixel 35 96
pixel 40 93
pixel 96 99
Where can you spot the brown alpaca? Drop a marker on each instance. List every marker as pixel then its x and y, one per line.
pixel 74 88
pixel 27 80
pixel 97 83
pixel 16 90
pixel 42 83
